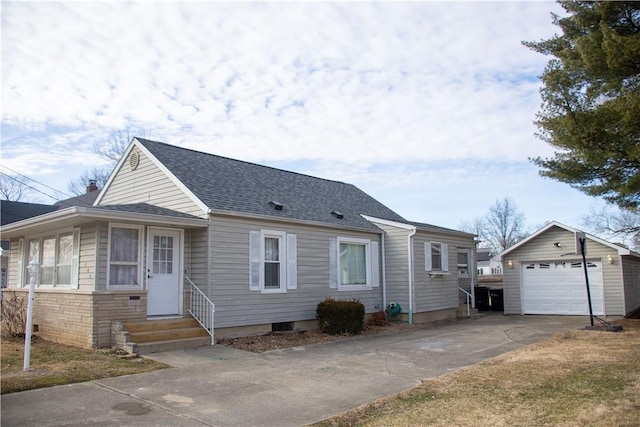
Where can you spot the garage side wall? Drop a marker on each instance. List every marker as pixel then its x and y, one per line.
pixel 631 273
pixel 542 248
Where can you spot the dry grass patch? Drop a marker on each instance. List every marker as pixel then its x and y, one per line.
pixel 57 364
pixel 578 378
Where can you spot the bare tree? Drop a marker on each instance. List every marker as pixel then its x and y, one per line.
pixel 624 225
pixel 14 188
pixel 112 150
pixel 505 225
pixel 475 226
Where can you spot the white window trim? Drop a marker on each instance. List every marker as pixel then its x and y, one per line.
pixel 468 265
pixel 141 237
pixel 444 259
pixel 24 277
pixel 282 256
pixel 367 244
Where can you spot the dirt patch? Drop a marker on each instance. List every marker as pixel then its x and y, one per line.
pixel 280 340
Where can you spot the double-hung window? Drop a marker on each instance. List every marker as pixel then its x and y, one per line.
pixel 272 261
pixel 124 255
pixel 57 256
pixel 353 264
pixel 436 257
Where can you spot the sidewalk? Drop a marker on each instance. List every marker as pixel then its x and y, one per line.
pixel 221 386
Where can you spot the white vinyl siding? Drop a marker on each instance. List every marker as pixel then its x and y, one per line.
pixel 238 305
pixel 148 182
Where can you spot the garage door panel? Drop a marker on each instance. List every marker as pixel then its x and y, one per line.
pixel 559 288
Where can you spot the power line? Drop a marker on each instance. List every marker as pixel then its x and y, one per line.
pixel 37 182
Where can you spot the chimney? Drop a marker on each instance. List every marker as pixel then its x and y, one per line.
pixel 92 186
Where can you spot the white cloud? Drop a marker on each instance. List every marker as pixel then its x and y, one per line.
pixel 362 92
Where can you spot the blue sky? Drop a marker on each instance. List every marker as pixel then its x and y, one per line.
pixel 427 106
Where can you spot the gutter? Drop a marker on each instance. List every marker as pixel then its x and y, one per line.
pixel 410 266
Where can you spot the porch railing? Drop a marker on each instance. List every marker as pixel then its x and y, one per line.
pixel 469 299
pixel 202 308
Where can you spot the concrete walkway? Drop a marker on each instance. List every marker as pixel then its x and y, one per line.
pixel 220 386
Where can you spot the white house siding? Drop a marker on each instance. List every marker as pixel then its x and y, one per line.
pixel 542 248
pixel 438 292
pixel 148 182
pixel 236 305
pixel 397 267
pixel 631 269
pixel 87 261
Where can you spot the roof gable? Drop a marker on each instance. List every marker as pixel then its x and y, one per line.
pixel 619 249
pixel 232 186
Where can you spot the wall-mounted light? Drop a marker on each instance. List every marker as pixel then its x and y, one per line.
pixel 557 244
pixel 510 263
pixel 610 259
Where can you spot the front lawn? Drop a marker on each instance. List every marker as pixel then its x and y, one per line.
pixel 578 378
pixel 57 364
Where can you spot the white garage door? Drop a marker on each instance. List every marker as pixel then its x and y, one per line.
pixel 559 288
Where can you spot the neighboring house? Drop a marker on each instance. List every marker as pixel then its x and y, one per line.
pixel 488 265
pixel 544 274
pixel 172 226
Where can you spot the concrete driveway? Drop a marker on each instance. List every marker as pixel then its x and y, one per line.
pixel 220 386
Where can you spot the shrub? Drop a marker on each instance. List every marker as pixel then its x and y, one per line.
pixel 379 318
pixel 337 317
pixel 14 315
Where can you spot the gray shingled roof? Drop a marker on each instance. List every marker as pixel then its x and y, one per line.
pixel 145 208
pixel 430 227
pixel 85 199
pixel 17 211
pixel 230 185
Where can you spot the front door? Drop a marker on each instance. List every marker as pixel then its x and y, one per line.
pixel 163 272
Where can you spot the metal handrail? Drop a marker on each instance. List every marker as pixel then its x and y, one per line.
pixel 202 309
pixel 469 298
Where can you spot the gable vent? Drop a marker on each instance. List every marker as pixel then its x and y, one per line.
pixel 337 214
pixel 276 205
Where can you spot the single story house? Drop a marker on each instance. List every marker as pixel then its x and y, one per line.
pixel 181 233
pixel 544 274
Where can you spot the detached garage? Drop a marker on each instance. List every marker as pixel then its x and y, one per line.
pixel 544 274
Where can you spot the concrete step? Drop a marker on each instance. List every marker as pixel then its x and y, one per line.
pixel 158 335
pixel 167 334
pixel 161 324
pixel 167 345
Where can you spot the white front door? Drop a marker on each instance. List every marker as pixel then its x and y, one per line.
pixel 163 272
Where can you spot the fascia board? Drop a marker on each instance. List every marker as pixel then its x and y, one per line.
pixel 159 165
pixel 619 249
pixel 388 222
pixel 115 171
pixel 79 214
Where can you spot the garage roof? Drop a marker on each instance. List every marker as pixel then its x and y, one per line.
pixel 619 249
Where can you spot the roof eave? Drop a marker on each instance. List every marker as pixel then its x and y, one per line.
pixel 258 217
pixel 78 215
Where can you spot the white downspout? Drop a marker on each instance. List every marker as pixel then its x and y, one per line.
pixel 410 266
pixel 384 275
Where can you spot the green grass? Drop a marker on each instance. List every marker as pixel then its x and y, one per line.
pixel 56 364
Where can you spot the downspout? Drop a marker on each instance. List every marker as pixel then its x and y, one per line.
pixel 410 266
pixel 384 275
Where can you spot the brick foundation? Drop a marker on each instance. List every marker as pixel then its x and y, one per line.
pixel 82 319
